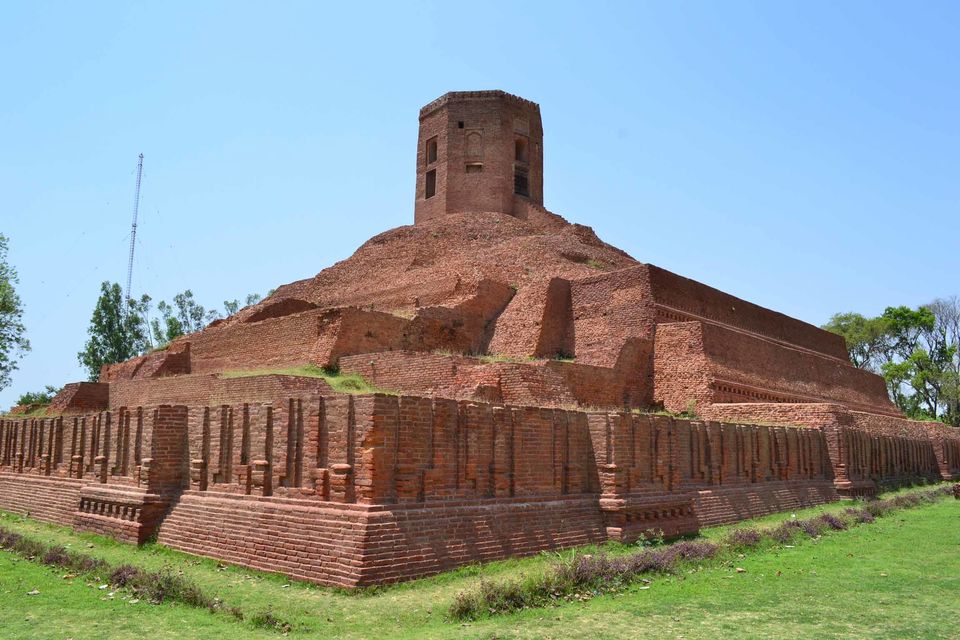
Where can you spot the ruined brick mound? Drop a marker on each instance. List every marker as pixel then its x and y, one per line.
pixel 442 261
pixel 523 352
pixel 537 287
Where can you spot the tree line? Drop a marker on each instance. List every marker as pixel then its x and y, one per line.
pixel 917 351
pixel 13 339
pixel 120 330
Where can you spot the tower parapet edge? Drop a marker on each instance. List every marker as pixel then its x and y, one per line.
pixel 478 151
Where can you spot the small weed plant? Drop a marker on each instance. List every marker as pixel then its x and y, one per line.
pixel 587 575
pixel 154 587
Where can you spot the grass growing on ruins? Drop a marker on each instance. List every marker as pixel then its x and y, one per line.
pixel 499 357
pixel 38 412
pixel 897 577
pixel 340 382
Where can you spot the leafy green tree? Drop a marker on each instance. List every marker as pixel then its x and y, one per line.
pixel 917 351
pixel 865 337
pixel 916 355
pixel 184 316
pixel 192 316
pixel 39 397
pixel 232 306
pixel 167 327
pixel 13 341
pixel 940 369
pixel 117 331
pixel 905 328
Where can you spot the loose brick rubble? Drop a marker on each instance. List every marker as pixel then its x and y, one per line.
pixel 525 351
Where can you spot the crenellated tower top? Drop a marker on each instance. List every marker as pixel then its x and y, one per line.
pixel 478 151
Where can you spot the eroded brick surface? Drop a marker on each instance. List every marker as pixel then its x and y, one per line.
pixel 351 490
pixel 526 355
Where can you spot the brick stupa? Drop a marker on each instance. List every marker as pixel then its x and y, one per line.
pixel 533 371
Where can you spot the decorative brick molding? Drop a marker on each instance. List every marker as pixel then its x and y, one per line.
pixel 372 489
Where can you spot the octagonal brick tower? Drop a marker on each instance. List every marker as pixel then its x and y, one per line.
pixel 478 151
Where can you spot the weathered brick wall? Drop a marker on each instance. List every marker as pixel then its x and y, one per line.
pixel 101 447
pixel 211 390
pixel 461 482
pixel 671 453
pixel 863 462
pixel 309 337
pixel 348 331
pixel 477 128
pixel 303 446
pixel 556 322
pixel 44 498
pixel 466 479
pixel 713 364
pixel 414 372
pixel 866 449
pixel 681 372
pixel 174 359
pixel 806 414
pixel 80 397
pixel 350 490
pixel 86 471
pixel 609 309
pixel 275 342
pixel 673 292
pixel 322 336
pixel 169 455
pixel 466 326
pixel 386 448
pixel 129 369
pixel 319 542
pixel 727 505
pixel 536 321
pixel 543 383
pixel 442 537
pixel 896 432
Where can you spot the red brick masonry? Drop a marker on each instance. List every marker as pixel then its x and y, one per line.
pixel 360 490
pixel 495 318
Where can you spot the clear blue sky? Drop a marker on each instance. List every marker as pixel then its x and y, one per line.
pixel 805 156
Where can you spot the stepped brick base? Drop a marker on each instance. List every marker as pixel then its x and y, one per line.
pixel 667 515
pixel 126 514
pixel 728 505
pixel 49 499
pixel 354 545
pixel 363 490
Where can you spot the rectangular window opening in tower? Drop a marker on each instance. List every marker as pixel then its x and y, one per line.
pixel 521 183
pixel 430 188
pixel 520 149
pixel 432 150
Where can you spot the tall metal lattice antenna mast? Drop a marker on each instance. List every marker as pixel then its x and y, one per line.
pixel 133 229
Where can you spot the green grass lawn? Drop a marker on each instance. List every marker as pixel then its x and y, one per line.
pixel 897 578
